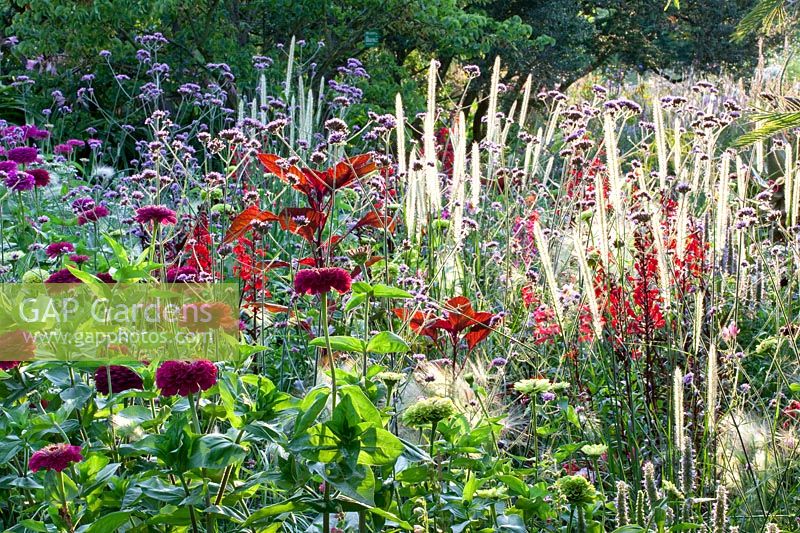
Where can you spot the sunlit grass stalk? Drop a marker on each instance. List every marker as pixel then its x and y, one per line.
pixel 547 265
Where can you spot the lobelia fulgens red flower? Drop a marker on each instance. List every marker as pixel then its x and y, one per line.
pixel 55 457
pixel 185 378
pixel 322 280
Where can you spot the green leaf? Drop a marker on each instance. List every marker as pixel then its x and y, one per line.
pixel 109 522
pixel 311 406
pixel 354 301
pixel 385 291
pixel 340 343
pixel 379 447
pixel 216 451
pixel 361 287
pixel 387 342
pixel 119 251
pixel 264 516
pixel 515 484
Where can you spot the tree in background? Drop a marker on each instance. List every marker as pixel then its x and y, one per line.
pixel 558 41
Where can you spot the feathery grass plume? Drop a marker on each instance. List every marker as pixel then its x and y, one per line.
pixel 591 297
pixel 491 113
pixel 600 213
pixel 711 388
pixel 697 169
pixel 640 507
pixel 537 154
pixel 623 519
pixel 526 98
pixel 771 527
pixel 723 189
pixel 614 174
pixel 552 122
pixel 262 98
pixel 475 174
pixel 526 165
pixel 676 149
pixel 741 177
pixel 719 513
pixel 289 69
pixel 698 319
pixel 788 180
pixel 457 186
pixel 400 131
pixel 661 142
pixel 686 472
pixel 759 151
pixel 649 484
pixel 509 122
pixel 547 264
pixel 411 200
pixel 433 194
pixel 734 529
pixel 661 255
pixel 677 409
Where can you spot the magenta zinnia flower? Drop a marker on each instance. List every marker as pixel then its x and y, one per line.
pixel 55 457
pixel 79 258
pixel 62 276
pixel 105 277
pixel 93 215
pixel 20 181
pixel 40 176
pixel 23 154
pixel 55 249
pixel 185 378
pixel 122 379
pixel 322 280
pixel 155 213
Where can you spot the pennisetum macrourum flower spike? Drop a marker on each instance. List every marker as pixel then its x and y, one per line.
pixel 621 499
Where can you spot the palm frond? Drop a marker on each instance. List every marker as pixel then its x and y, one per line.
pixel 765 16
pixel 771 123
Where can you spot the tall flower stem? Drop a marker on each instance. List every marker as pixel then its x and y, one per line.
pixel 326 519
pixel 324 311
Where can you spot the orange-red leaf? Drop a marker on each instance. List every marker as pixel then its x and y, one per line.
pixel 242 222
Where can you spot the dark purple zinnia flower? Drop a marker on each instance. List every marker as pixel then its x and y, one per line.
pixel 322 280
pixel 57 248
pixel 55 457
pixel 62 276
pixel 8 166
pixel 157 214
pixel 105 277
pixel 122 379
pixel 82 204
pixel 185 378
pixel 20 181
pixel 40 176
pixel 93 215
pixel 79 258
pixel 23 155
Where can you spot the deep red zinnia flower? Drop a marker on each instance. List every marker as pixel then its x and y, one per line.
pixel 41 177
pixel 158 214
pixel 62 276
pixel 55 457
pixel 185 378
pixel 79 259
pixel 322 280
pixel 122 379
pixel 23 154
pixel 55 249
